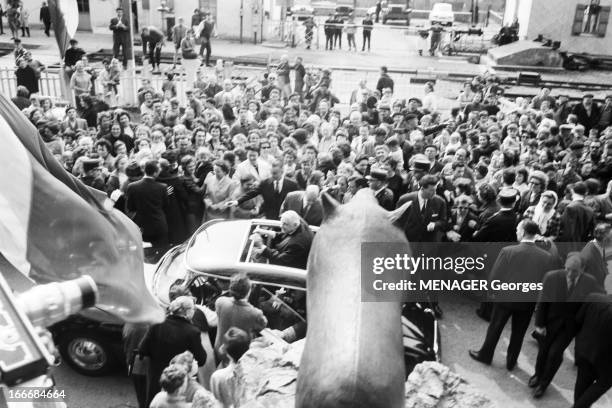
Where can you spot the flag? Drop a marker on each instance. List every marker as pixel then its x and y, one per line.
pixel 65 19
pixel 54 228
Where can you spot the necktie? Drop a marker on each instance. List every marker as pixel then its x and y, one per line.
pixel 256 169
pixel 570 286
pixel 424 206
pixel 276 186
pixel 306 209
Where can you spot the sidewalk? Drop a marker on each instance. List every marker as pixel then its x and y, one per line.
pixel 45 49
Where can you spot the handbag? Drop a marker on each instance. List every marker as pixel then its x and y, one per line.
pixel 139 364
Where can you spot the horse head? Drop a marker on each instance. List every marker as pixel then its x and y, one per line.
pixel 353 356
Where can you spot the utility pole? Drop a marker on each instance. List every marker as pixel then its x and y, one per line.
pixel 129 89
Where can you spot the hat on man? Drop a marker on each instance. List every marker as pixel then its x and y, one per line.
pixel 91 164
pixel 576 146
pixel 377 174
pixel 420 163
pixel 411 116
pixel 507 196
pixel 417 100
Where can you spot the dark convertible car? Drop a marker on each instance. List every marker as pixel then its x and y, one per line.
pixel 91 341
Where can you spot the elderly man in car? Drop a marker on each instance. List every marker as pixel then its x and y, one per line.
pixel 290 247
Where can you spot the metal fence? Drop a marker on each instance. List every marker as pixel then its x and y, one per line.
pixel 343 83
pixel 49 84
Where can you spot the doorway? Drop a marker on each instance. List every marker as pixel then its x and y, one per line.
pixel 84 18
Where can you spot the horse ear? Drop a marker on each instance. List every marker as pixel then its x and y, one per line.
pixel 330 205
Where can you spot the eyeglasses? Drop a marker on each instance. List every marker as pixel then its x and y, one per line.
pixel 535 183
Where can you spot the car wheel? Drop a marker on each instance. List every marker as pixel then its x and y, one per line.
pixel 87 354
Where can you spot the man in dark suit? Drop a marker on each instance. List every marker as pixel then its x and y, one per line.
pixel 531 197
pixel 306 204
pixel 377 180
pixel 147 200
pixel 577 220
pixel 501 227
pixel 523 263
pixel 273 190
pixel 593 350
pixel 555 317
pixel 594 253
pixel 120 26
pixel 435 167
pixel 424 221
pixel 45 17
pixel 174 336
pixel 290 247
pixel 588 112
pixel 462 222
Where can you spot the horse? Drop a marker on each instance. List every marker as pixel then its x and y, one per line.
pixel 353 356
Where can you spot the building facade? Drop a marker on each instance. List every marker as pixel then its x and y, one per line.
pixel 580 25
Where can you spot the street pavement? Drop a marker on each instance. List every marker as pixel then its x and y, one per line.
pixel 460 330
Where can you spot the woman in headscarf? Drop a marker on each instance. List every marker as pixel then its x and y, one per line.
pixel 545 215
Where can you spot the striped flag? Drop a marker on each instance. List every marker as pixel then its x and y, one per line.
pixel 65 19
pixel 54 228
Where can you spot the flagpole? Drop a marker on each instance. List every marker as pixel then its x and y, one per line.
pixel 130 86
pixel 62 38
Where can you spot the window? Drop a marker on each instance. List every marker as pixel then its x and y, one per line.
pixel 83 6
pixel 591 19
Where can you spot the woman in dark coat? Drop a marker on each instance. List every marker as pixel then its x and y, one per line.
pixel 194 189
pixel 165 340
pixel 177 198
pixel 26 76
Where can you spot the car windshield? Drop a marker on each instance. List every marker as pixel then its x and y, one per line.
pixel 217 244
pixel 173 269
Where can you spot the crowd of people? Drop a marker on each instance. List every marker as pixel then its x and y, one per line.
pixel 173 363
pixel 238 150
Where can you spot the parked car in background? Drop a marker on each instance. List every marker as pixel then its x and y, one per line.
pixel 344 11
pixel 396 12
pixel 442 13
pixel 302 9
